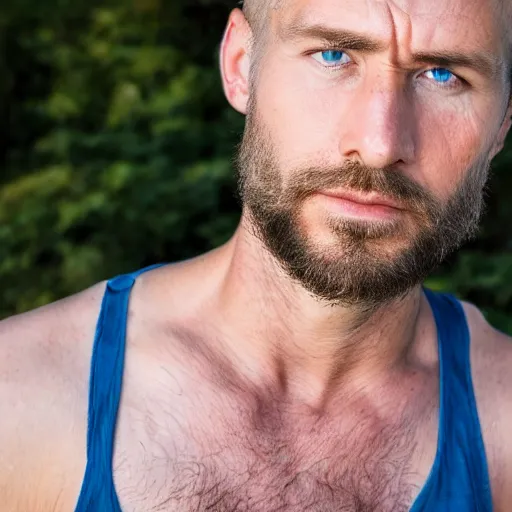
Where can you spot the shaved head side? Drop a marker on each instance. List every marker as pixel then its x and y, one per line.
pixel 257 13
pixel 506 17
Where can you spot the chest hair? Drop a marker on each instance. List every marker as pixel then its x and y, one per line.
pixel 260 457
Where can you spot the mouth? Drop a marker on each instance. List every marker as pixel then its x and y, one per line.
pixel 372 199
pixel 371 206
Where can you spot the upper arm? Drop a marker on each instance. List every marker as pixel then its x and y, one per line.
pixel 502 424
pixel 491 364
pixel 44 360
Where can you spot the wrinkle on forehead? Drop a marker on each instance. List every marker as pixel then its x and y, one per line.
pixel 401 9
pixel 448 21
pixel 401 16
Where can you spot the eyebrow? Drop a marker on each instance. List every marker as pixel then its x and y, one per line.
pixel 481 62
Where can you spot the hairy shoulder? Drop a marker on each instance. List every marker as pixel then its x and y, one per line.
pixel 491 362
pixel 44 366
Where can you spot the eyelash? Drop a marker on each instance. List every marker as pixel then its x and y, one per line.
pixel 453 85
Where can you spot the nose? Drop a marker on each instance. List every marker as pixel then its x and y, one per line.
pixel 380 128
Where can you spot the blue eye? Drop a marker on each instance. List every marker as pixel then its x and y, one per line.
pixel 331 58
pixel 441 75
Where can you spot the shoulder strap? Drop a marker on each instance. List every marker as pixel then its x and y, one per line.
pixel 105 385
pixel 463 468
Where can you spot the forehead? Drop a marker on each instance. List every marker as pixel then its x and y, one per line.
pixel 418 24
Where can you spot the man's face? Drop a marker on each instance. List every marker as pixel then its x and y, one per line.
pixel 369 137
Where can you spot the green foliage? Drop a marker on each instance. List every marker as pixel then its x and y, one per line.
pixel 120 156
pixel 118 147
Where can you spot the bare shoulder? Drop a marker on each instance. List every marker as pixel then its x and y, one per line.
pixel 491 362
pixel 44 366
pixel 50 342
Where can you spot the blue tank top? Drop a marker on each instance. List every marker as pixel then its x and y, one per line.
pixel 458 480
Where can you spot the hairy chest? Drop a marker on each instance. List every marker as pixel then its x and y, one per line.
pixel 237 459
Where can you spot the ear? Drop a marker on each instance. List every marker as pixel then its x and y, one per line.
pixel 502 134
pixel 235 61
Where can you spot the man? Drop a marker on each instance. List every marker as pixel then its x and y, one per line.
pixel 301 366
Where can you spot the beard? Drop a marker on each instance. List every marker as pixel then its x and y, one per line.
pixel 365 263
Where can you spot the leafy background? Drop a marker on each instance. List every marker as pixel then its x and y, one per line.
pixel 116 151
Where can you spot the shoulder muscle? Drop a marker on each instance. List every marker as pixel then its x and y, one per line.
pixel 44 361
pixel 491 361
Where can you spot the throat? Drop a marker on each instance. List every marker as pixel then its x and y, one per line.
pixel 310 349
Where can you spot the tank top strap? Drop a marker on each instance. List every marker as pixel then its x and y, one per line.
pixel 105 385
pixel 462 476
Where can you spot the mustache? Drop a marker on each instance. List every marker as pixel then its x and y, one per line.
pixel 357 177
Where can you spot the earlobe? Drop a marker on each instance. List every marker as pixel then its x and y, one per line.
pixel 235 61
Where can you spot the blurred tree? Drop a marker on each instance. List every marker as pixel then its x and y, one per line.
pixel 118 146
pixel 118 150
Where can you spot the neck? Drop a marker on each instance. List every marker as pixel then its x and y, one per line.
pixel 279 331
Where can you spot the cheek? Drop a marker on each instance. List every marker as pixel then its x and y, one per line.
pixel 449 142
pixel 302 118
pixel 308 118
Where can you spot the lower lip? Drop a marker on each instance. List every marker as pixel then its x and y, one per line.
pixel 359 210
